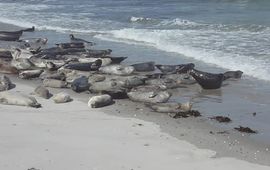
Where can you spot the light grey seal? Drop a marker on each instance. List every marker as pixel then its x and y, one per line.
pixel 42 92
pixel 117 69
pixel 5 83
pixel 30 74
pixel 170 107
pixel 11 98
pixel 100 101
pixel 149 94
pixel 62 98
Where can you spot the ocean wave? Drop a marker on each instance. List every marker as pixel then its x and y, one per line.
pixel 167 40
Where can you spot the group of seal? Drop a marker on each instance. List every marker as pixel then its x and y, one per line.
pixel 74 65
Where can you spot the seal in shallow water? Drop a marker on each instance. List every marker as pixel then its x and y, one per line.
pixel 233 74
pixel 207 80
pixel 170 107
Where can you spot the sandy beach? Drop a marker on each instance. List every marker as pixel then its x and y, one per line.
pixel 74 136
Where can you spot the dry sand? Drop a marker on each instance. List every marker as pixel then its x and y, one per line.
pixel 73 136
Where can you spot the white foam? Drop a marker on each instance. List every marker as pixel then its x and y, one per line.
pixel 139 19
pixel 163 40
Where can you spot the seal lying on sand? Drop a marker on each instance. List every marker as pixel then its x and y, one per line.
pixel 233 74
pixel 42 92
pixel 70 45
pixel 29 74
pixel 5 83
pixel 114 88
pixel 147 66
pixel 181 68
pixel 84 66
pixel 207 80
pixel 22 64
pixel 62 98
pixel 11 98
pixel 170 107
pixel 117 69
pixel 54 83
pixel 100 101
pixel 80 84
pixel 149 94
pixel 6 68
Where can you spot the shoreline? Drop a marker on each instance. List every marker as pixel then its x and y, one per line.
pixel 193 130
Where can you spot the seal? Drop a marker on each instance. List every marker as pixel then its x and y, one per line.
pixel 52 75
pixel 5 83
pixel 78 40
pixel 96 78
pixel 30 74
pixel 117 70
pixel 169 69
pixel 13 98
pixel 70 45
pixel 105 61
pixel 5 54
pixel 169 83
pixel 42 92
pixel 96 53
pixel 94 66
pixel 80 84
pixel 54 83
pixel 170 107
pixel 207 80
pixel 114 88
pixel 146 66
pixel 6 68
pixel 62 98
pixel 100 101
pixel 233 75
pixel 149 94
pixel 22 64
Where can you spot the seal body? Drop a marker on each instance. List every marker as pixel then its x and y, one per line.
pixel 170 107
pixel 92 66
pixel 207 80
pixel 5 83
pixel 181 68
pixel 80 84
pixel 233 74
pixel 149 94
pixel 62 98
pixel 54 83
pixel 100 101
pixel 117 69
pixel 42 92
pixel 29 74
pixel 146 66
pixel 11 98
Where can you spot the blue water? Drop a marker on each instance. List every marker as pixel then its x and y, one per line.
pixel 216 35
pixel 231 34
